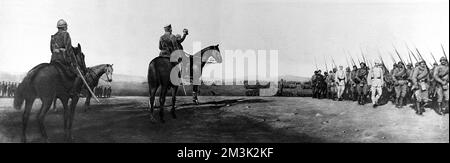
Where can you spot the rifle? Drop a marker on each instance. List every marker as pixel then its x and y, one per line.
pixel 420 55
pixel 326 66
pixel 353 61
pixel 346 60
pixel 315 62
pixel 445 55
pixel 398 54
pixel 332 59
pixel 362 54
pixel 435 61
pixel 392 58
pixel 382 63
pixel 410 60
pixel 415 58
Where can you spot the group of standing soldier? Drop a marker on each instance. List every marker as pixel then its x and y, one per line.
pixel 417 85
pixel 7 89
pixel 103 91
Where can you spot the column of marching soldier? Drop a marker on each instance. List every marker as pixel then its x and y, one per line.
pixel 7 89
pixel 416 84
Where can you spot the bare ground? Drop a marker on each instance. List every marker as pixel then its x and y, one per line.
pixel 234 119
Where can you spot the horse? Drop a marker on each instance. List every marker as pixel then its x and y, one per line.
pixel 159 71
pixel 47 81
pixel 92 76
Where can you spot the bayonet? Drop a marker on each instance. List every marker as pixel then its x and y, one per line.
pixel 445 55
pixel 435 61
pixel 398 54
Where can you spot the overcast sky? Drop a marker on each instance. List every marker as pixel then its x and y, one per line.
pixel 126 32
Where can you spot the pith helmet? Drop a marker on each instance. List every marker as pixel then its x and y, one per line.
pixel 443 59
pixel 61 23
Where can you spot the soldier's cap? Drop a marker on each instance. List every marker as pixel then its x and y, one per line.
pixel 362 63
pixel 443 59
pixel 169 26
pixel 401 63
pixel 435 63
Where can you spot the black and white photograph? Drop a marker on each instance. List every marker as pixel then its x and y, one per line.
pixel 224 71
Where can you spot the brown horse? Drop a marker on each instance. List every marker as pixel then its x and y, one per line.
pixel 92 76
pixel 159 72
pixel 47 81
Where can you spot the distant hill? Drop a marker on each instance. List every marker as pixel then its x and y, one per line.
pixel 4 76
pixel 294 78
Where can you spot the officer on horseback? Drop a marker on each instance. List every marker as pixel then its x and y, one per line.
pixel 62 52
pixel 169 43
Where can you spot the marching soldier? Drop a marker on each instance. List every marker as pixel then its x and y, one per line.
pixel 320 84
pixel 400 77
pixel 375 81
pixel 409 71
pixel 354 84
pixel 1 89
pixel 361 80
pixel 325 86
pixel 8 89
pixel 348 85
pixel 62 53
pixel 440 75
pixel 340 81
pixel 314 84
pixel 432 89
pixel 420 86
pixel 332 84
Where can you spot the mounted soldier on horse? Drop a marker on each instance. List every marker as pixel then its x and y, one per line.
pixel 61 78
pixel 165 71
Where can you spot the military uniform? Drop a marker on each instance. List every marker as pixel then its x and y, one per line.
pixel 331 85
pixel 353 86
pixel 376 82
pixel 348 85
pixel 61 48
pixel 169 43
pixel 400 77
pixel 340 80
pixel 314 84
pixel 409 71
pixel 420 87
pixel 361 81
pixel 440 75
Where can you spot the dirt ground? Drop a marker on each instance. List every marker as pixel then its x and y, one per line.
pixel 234 119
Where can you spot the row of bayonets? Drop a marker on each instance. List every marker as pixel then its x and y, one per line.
pixel 411 55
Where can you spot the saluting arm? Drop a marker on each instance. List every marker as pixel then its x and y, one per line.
pixel 182 38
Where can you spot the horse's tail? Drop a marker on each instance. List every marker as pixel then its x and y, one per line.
pixel 25 86
pixel 19 97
